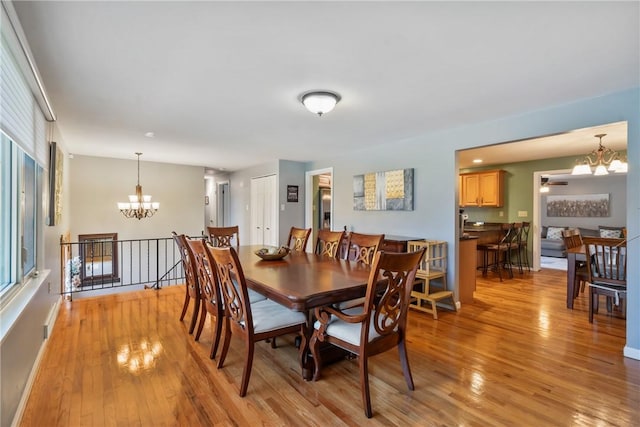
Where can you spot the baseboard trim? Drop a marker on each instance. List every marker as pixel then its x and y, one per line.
pixel 631 353
pixel 51 320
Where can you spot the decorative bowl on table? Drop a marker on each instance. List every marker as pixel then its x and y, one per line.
pixel 271 253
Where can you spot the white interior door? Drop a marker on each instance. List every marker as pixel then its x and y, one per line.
pixel 264 211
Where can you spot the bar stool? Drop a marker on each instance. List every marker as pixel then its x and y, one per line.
pixel 501 251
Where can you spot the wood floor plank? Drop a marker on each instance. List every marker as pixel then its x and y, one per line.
pixel 516 356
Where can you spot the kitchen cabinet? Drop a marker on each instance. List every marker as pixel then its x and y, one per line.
pixel 482 189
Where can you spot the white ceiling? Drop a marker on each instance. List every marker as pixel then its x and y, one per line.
pixel 218 82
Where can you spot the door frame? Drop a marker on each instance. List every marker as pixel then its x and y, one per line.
pixel 536 225
pixel 308 199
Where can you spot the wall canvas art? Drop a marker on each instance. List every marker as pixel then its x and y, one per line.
pixel 583 205
pixel 56 162
pixel 383 191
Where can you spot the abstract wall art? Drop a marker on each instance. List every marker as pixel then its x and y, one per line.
pixel 383 191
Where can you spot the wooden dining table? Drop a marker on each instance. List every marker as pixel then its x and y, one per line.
pixel 303 281
pixel 574 256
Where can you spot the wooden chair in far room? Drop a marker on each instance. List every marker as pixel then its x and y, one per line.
pixel 607 266
pixel 253 322
pixel 573 239
pixel 298 238
pixel 328 243
pixel 523 246
pixel 377 326
pixel 192 285
pixel 223 237
pixel 515 236
pixel 425 295
pixel 211 300
pixel 500 252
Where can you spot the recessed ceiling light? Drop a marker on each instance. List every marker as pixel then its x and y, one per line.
pixel 149 134
pixel 477 160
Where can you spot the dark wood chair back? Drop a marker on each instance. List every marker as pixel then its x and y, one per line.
pixel 298 238
pixel 607 270
pixel 211 301
pixel 572 238
pixel 381 325
pixel 224 237
pixel 192 285
pixel 267 321
pixel 362 247
pixel 329 242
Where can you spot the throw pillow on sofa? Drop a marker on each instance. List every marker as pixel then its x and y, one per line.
pixel 554 233
pixel 610 232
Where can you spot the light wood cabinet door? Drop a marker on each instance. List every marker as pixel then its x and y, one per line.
pixel 470 190
pixel 483 189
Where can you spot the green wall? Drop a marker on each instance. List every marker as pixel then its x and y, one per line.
pixel 518 189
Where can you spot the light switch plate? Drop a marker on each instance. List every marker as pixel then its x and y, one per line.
pixel 523 214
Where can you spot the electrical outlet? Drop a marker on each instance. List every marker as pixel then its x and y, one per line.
pixel 501 214
pixel 523 214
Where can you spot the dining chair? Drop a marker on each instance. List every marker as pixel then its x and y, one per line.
pixel 360 248
pixel 573 239
pixel 192 285
pixel 501 251
pixel 211 301
pixel 222 237
pixel 378 325
pixel 607 267
pixel 298 237
pixel 515 237
pixel 329 243
pixel 253 322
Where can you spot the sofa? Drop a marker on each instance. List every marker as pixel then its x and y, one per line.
pixel 552 243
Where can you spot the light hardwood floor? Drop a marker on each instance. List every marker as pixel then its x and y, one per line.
pixel 516 357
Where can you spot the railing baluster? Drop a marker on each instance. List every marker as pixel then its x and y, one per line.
pixel 170 271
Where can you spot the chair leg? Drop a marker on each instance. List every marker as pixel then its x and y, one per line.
pixel 225 344
pixel 404 361
pixel 248 363
pixel 194 316
pixel 216 338
pixel 591 302
pixel 364 381
pixel 203 317
pixel 185 305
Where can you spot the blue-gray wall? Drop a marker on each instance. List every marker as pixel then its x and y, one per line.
pixel 433 158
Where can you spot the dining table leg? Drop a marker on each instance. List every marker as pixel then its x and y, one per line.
pixel 571 278
pixel 306 361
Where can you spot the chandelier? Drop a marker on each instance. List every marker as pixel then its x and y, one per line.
pixel 320 102
pixel 604 160
pixel 139 206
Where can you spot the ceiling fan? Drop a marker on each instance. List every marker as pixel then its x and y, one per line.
pixel 545 181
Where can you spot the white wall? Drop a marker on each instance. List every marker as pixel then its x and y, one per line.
pixel 97 184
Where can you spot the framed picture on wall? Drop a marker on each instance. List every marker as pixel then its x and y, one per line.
pixel 582 205
pixel 56 163
pixel 292 193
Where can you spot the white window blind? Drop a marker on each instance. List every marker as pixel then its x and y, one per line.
pixel 20 115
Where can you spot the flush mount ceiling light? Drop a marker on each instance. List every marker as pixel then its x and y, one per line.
pixel 603 159
pixel 320 102
pixel 139 206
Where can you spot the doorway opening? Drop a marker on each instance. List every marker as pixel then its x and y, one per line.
pixel 318 202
